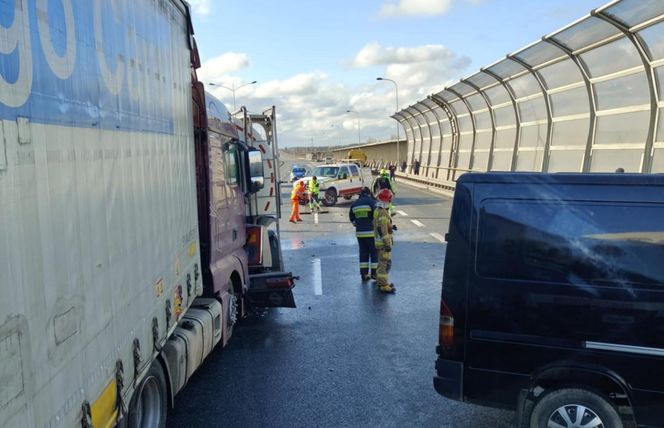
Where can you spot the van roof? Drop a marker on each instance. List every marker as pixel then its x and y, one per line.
pixel 561 178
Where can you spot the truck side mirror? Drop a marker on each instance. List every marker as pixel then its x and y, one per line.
pixel 256 173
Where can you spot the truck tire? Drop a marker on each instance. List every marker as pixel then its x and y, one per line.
pixel 573 408
pixel 149 404
pixel 330 197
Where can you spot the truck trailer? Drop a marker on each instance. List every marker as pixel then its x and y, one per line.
pixel 139 219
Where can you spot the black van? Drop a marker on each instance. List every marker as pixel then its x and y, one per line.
pixel 553 298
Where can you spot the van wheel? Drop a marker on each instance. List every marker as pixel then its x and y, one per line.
pixel 148 405
pixel 330 197
pixel 574 408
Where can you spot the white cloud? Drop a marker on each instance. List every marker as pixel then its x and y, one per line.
pixel 311 106
pixel 399 8
pixel 218 68
pixel 200 6
pixel 375 54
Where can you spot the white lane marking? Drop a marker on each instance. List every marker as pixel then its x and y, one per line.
pixel 417 223
pixel 403 213
pixel 316 217
pixel 438 236
pixel 317 277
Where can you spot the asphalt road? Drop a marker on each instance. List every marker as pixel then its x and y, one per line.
pixel 347 355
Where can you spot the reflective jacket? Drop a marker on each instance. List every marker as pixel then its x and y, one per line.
pixel 382 226
pixel 361 215
pixel 314 187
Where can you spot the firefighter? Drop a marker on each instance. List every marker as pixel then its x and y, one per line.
pixel 361 215
pixel 382 226
pixel 383 182
pixel 296 194
pixel 314 192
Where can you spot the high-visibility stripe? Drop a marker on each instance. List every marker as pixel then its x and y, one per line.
pixel 361 208
pixel 374 265
pixel 361 234
pixel 364 265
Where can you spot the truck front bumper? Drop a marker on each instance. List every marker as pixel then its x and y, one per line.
pixel 449 379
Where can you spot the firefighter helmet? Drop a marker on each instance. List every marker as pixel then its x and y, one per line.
pixel 385 195
pixel 384 173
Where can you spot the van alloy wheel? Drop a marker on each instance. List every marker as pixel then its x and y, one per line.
pixel 574 408
pixel 574 416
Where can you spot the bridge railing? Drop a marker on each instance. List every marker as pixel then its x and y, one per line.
pixel 586 98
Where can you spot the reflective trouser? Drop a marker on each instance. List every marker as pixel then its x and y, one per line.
pixel 384 265
pixel 368 255
pixel 295 210
pixel 313 201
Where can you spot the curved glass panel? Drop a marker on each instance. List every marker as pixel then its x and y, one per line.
pixel 585 33
pixel 570 132
pixel 629 128
pixel 611 58
pixel 505 116
pixel 633 12
pixel 562 73
pixel 524 86
pixel 476 102
pixel 540 53
pixel 505 138
pixel 573 101
pixel 506 68
pixel 629 90
pixel 497 95
pixel 532 109
pixel 653 39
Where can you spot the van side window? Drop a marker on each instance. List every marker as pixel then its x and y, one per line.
pixel 354 171
pixel 572 242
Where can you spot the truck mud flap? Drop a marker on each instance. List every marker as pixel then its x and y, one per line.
pixel 271 290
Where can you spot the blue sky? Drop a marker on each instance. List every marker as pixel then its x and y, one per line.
pixel 314 60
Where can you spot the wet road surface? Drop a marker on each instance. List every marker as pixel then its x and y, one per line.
pixel 347 355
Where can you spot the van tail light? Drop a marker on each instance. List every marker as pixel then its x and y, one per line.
pixel 446 327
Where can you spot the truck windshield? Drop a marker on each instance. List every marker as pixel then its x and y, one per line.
pixel 326 171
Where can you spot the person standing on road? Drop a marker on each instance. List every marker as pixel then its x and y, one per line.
pixel 296 194
pixel 382 225
pixel 393 170
pixel 361 215
pixel 314 193
pixel 383 181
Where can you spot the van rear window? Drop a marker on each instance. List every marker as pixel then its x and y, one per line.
pixel 573 242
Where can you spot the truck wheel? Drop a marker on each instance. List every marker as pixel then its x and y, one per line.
pixel 330 197
pixel 148 405
pixel 570 408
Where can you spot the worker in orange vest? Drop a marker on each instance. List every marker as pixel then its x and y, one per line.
pixel 296 194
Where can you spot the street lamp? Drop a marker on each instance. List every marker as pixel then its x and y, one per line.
pixel 358 124
pixel 396 87
pixel 232 88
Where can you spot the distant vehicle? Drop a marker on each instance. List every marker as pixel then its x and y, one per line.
pixel 553 298
pixel 329 160
pixel 337 179
pixel 297 172
pixel 358 156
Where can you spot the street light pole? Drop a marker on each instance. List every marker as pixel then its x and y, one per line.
pixel 233 88
pixel 358 125
pixel 396 87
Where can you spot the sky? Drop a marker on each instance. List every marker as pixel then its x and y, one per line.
pixel 315 60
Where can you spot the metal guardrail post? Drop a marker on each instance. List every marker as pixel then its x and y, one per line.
pixel 472 123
